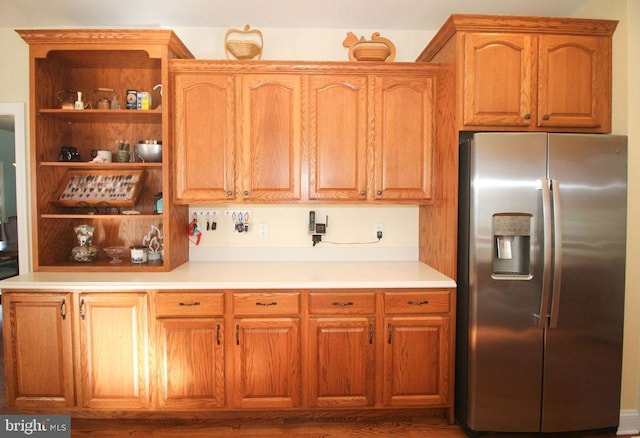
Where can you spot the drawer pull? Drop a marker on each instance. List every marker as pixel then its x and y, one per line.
pixel 272 303
pixel 218 334
pixel 237 334
pixel 347 304
pixel 417 303
pixel 389 333
pixel 195 303
pixel 82 315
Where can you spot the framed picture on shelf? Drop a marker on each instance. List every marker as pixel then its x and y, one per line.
pixel 91 188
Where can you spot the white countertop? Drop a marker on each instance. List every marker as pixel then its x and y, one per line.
pixel 245 275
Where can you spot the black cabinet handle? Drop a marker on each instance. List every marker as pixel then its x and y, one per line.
pixel 63 309
pixel 347 304
pixel 237 334
pixel 195 303
pixel 417 303
pixel 218 334
pixel 272 303
pixel 389 333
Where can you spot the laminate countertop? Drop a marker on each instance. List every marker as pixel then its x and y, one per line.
pixel 244 275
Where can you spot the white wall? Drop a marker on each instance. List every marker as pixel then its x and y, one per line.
pixel 626 113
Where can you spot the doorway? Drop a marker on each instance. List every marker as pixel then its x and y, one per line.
pixel 14 245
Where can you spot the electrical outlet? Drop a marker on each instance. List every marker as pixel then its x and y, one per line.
pixel 263 231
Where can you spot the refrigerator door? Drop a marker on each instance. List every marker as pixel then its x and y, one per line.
pixel 583 352
pixel 501 348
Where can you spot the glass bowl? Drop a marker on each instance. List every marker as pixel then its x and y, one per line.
pixel 115 252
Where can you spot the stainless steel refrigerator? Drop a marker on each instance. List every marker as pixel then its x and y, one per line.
pixel 541 274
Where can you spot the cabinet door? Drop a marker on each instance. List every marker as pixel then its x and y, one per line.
pixel 416 361
pixel 204 131
pixel 404 137
pixel 337 137
pixel 574 82
pixel 270 117
pixel 267 356
pixel 114 351
pixel 341 362
pixel 191 363
pixel 499 86
pixel 37 349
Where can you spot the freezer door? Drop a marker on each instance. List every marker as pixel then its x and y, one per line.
pixel 583 353
pixel 501 346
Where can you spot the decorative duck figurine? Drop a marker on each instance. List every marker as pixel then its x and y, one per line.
pixel 376 49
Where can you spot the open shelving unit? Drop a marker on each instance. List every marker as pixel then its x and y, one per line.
pixel 86 60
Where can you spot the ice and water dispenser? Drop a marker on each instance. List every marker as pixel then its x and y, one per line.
pixel 512 246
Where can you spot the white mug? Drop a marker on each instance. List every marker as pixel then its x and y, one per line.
pixel 102 156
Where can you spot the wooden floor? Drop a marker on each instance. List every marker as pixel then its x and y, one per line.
pixel 321 428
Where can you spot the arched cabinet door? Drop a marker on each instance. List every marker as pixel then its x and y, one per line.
pixel 574 81
pixel 499 82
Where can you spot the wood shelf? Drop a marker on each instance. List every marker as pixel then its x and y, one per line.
pixel 106 115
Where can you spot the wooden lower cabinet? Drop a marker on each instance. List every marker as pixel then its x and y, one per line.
pixel 416 369
pixel 37 350
pixel 191 363
pixel 91 353
pixel 114 351
pixel 341 362
pixel 190 340
pixel 267 363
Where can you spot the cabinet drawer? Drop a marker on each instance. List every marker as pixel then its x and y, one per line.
pixel 339 303
pixel 432 301
pixel 189 303
pixel 266 303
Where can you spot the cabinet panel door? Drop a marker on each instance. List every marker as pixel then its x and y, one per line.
pixel 341 362
pixel 416 361
pixel 574 85
pixel 114 350
pixel 270 117
pixel 337 137
pixel 267 358
pixel 191 363
pixel 204 131
pixel 37 349
pixel 498 78
pixel 404 137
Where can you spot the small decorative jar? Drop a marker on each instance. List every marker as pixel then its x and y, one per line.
pixel 85 251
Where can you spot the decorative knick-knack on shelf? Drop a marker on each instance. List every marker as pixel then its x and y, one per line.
pixel 85 251
pixel 243 44
pixel 376 49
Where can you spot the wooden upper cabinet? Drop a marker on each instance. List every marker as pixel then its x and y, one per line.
pixel 337 137
pixel 204 146
pixel 499 79
pixel 404 135
pixel 528 73
pixel 278 132
pixel 574 75
pixel 269 130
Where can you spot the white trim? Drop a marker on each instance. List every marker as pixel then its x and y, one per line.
pixel 17 109
pixel 629 422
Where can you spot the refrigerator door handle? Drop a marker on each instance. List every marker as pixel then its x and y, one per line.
pixel 557 253
pixel 540 319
